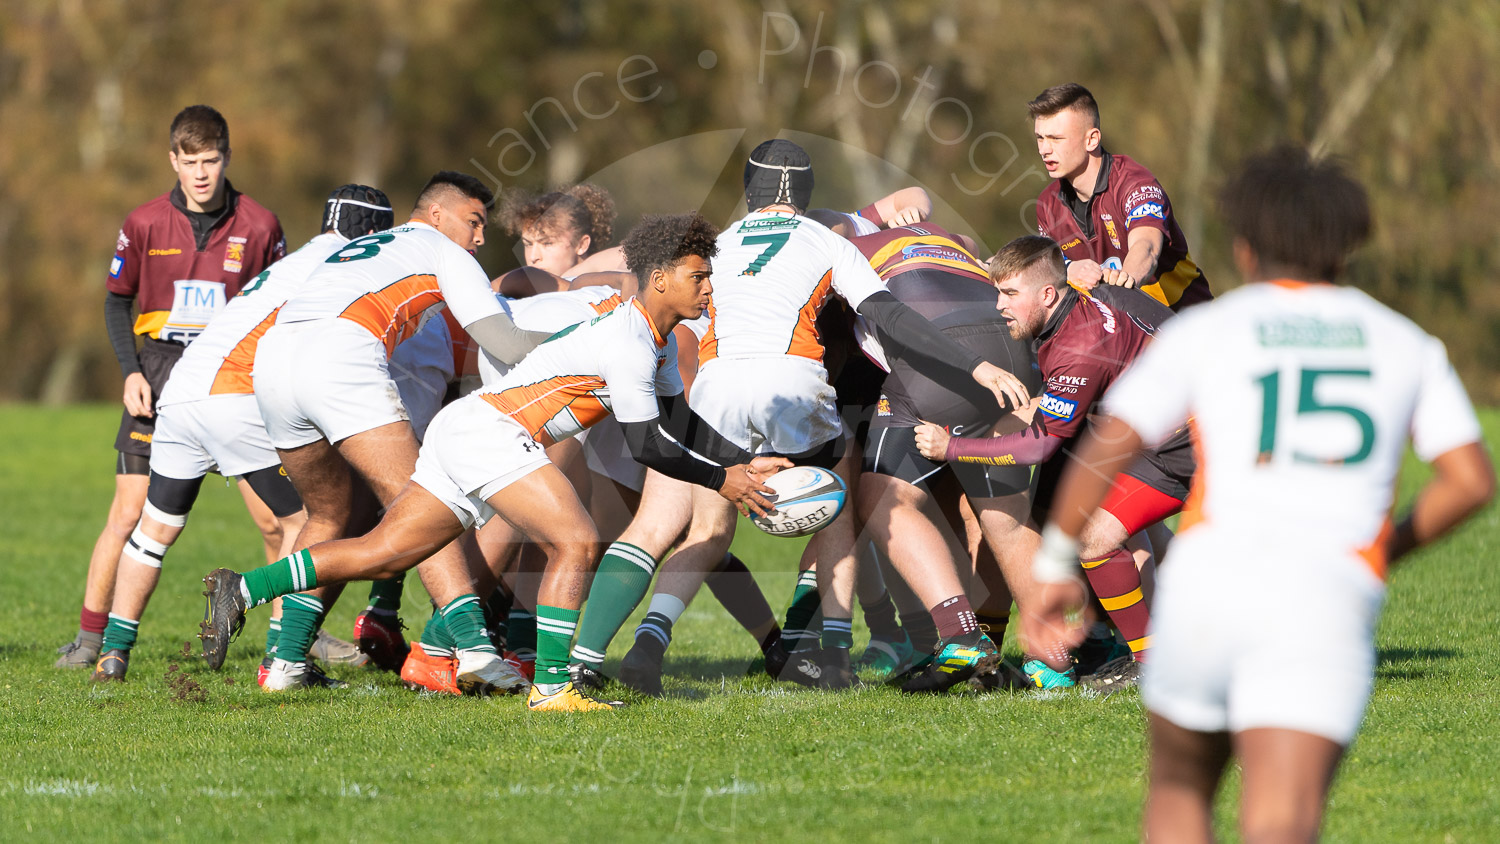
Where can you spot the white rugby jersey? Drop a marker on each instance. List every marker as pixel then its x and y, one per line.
pixel 220 360
pixel 550 312
pixel 616 363
pixel 390 281
pixel 773 273
pixel 1302 398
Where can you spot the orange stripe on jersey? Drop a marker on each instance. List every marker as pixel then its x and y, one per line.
pixel 805 342
pixel 708 347
pixel 233 376
pixel 465 350
pixel 661 341
pixel 534 405
pixel 604 307
pixel 1374 554
pixel 391 313
pixel 1192 509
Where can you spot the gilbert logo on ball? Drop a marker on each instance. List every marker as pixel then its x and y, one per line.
pixel 807 499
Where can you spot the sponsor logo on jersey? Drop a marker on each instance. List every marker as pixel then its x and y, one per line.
pixel 926 250
pixel 1310 333
pixel 1113 262
pixel 1106 312
pixel 163 251
pixel 1147 209
pixel 1066 383
pixel 234 255
pixel 1109 228
pixel 1145 193
pixel 116 265
pixel 122 242
pixel 1058 407
pixel 1070 244
pixel 768 224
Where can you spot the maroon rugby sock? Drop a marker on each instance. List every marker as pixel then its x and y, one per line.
pixel 1117 583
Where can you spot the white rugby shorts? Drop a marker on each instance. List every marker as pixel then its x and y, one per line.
pixel 471 452
pixel 323 379
pixel 778 404
pixel 221 434
pixel 1246 637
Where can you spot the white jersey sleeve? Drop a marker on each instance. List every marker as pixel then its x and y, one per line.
pixel 1443 418
pixel 668 378
pixel 1152 395
pixel 630 371
pixel 465 287
pixel 853 277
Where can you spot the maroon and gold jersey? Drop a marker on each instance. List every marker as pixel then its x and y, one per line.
pixel 1126 197
pixel 915 247
pixel 181 278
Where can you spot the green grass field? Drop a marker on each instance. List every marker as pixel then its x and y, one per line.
pixel 723 757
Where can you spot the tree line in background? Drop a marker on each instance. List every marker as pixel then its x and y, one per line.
pixel 661 100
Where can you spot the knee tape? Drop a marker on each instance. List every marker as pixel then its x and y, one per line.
pixel 145 550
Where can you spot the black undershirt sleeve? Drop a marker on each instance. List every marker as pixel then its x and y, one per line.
pixel 672 441
pixel 121 330
pixel 906 333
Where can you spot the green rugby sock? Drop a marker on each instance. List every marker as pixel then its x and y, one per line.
pixel 797 634
pixel 464 620
pixel 300 615
pixel 621 582
pixel 283 577
pixel 554 632
pixel 273 635
pixel 119 633
pixel 521 634
pixel 436 639
pixel 385 595
pixel 838 633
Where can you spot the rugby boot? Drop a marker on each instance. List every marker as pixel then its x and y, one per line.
pixel 82 652
pixel 263 671
pixel 379 638
pixel 1116 675
pixel 527 667
pixel 641 667
pixel 223 615
pixel 329 648
pixel 111 667
pixel 1046 678
pixel 1090 656
pixel 835 671
pixel 568 699
pixel 587 679
pixel 422 671
pixel 1005 678
pixel 285 676
pixel 482 673
pixel 883 658
pixel 953 661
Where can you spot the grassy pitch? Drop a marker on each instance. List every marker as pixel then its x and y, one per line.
pixel 723 757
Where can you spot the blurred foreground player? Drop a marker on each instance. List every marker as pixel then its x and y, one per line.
pixel 1304 395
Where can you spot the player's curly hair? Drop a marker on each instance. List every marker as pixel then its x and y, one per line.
pixel 572 212
pixel 1300 215
pixel 660 242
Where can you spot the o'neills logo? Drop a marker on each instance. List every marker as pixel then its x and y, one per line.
pixel 163 251
pixel 800 523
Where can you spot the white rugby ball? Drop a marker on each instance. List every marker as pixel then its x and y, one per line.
pixel 807 499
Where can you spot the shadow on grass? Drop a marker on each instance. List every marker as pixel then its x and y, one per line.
pixel 1409 663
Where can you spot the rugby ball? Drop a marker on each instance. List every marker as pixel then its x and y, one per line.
pixel 807 500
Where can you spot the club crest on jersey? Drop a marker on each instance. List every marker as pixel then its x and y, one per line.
pixel 234 256
pixel 1109 228
pixel 1058 407
pixel 883 407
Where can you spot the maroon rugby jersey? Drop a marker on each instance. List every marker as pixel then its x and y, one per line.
pixel 1126 196
pixel 180 278
pixel 917 246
